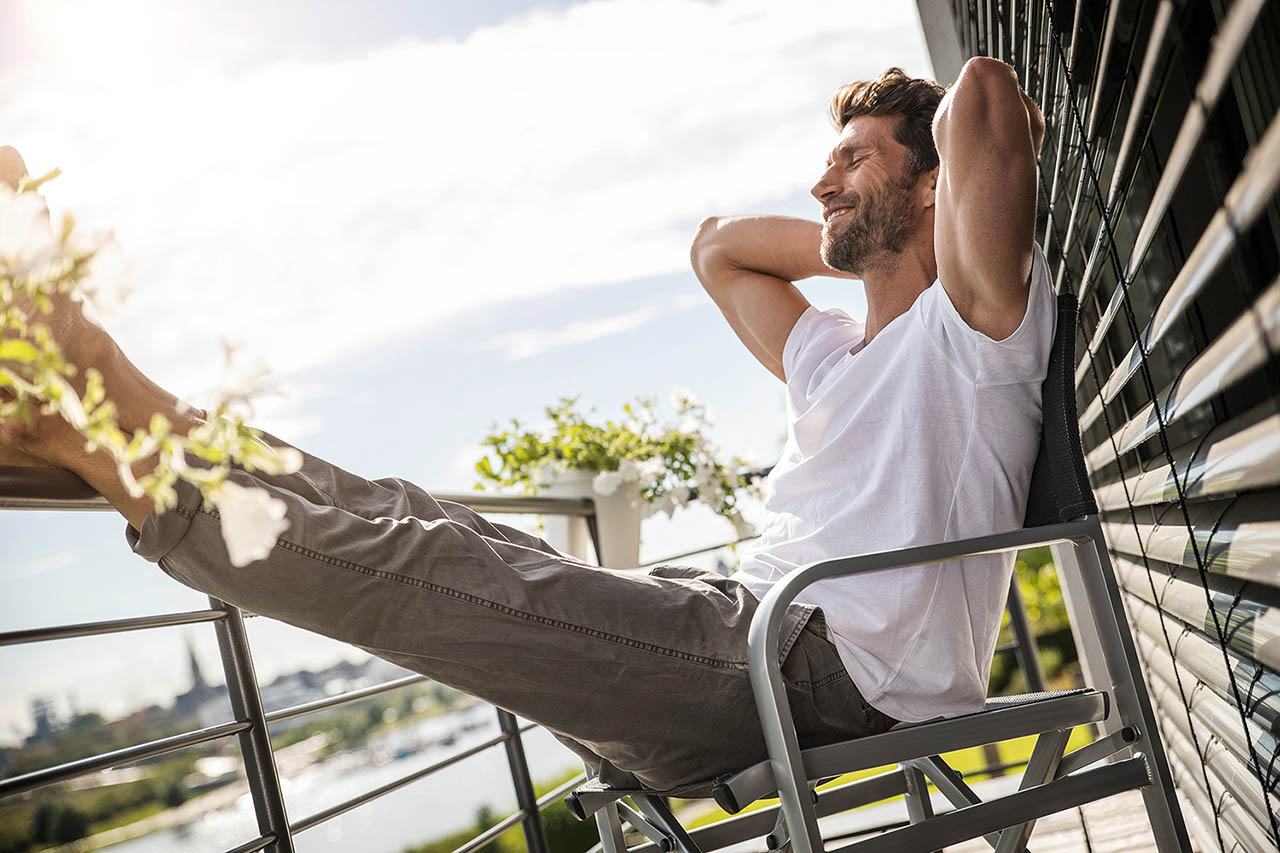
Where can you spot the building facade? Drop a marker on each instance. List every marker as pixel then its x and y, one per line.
pixel 1158 209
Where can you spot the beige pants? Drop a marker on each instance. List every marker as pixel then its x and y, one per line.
pixel 643 674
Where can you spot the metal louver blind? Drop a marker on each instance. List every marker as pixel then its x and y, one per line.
pixel 1158 207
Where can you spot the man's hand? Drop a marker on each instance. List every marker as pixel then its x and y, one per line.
pixel 747 264
pixel 12 169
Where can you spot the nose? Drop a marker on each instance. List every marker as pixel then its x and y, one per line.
pixel 826 185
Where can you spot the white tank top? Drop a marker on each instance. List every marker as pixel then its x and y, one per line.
pixel 926 435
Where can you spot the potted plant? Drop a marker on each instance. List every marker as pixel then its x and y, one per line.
pixel 631 469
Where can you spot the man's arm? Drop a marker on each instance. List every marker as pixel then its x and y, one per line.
pixel 747 264
pixel 988 134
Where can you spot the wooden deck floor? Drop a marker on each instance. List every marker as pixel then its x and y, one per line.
pixel 1114 825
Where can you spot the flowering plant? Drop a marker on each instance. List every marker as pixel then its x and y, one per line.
pixel 40 267
pixel 667 464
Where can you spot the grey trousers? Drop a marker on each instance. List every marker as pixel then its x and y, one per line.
pixel 644 675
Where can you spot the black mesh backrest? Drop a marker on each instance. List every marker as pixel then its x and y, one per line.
pixel 1059 487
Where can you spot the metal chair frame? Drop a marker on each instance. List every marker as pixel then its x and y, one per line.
pixel 1061 512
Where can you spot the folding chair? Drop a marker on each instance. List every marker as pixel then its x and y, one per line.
pixel 1061 510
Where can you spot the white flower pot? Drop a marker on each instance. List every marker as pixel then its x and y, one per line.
pixel 618 516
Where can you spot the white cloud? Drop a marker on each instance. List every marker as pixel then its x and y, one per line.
pixel 311 207
pixel 48 562
pixel 524 343
pixel 529 342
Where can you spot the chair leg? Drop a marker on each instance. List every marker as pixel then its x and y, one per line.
pixel 1042 767
pixel 658 813
pixel 952 786
pixel 1133 704
pixel 610 827
pixel 919 806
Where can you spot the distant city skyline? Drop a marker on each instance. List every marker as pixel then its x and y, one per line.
pixel 426 221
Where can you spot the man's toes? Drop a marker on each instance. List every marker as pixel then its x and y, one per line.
pixel 12 169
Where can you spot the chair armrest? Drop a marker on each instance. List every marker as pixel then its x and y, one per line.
pixel 763 644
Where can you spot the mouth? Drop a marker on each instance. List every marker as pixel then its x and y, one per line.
pixel 834 212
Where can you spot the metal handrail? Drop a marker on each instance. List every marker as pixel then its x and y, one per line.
pixel 328 702
pixel 43 489
pixel 347 805
pixel 110 626
pixel 58 489
pixel 84 766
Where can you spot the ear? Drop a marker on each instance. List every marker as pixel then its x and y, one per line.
pixel 929 187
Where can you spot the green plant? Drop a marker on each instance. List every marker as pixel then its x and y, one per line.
pixel 40 267
pixel 666 463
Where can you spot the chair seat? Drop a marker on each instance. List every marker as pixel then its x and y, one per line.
pixel 1003 718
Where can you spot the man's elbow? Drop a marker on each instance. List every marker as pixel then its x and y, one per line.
pixel 988 102
pixel 705 249
pixel 987 77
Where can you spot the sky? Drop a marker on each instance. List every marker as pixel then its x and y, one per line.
pixel 425 218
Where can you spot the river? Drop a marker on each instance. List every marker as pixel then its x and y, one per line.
pixel 422 811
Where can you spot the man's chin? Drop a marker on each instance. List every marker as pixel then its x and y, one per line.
pixel 835 261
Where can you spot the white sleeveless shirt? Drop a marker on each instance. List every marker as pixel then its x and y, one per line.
pixel 927 434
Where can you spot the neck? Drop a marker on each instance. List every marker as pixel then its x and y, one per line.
pixel 892 286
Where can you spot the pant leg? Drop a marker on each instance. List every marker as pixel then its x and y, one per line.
pixel 646 670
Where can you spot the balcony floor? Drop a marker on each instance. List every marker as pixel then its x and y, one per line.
pixel 1113 825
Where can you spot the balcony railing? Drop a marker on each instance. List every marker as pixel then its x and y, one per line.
pixel 44 489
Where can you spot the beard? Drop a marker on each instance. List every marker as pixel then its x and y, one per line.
pixel 878 225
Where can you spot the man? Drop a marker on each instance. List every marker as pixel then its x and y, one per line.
pixel 922 422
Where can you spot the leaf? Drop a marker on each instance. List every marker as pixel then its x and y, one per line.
pixel 18 350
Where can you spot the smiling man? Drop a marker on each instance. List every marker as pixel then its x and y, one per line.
pixel 918 425
pixel 922 423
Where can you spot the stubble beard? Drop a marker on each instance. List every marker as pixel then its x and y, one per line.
pixel 873 233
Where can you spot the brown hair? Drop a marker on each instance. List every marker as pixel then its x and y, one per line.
pixel 893 93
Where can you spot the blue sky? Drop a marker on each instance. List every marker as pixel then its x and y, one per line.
pixel 425 218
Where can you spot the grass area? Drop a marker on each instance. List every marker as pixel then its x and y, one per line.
pixel 968 762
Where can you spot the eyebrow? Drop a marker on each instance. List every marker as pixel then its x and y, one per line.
pixel 849 147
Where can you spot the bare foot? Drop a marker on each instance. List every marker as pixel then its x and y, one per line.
pixel 12 169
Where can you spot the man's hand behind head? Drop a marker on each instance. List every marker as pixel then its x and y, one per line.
pixel 12 169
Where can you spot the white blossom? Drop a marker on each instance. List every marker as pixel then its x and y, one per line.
pixel 741 527
pixel 652 469
pixel 273 460
pixel 646 416
pixel 606 482
pixel 683 399
pixel 688 426
pixel 241 380
pixel 251 521
pixel 108 283
pixel 27 242
pixel 544 472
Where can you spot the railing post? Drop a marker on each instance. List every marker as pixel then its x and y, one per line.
pixel 1027 651
pixel 255 742
pixel 534 836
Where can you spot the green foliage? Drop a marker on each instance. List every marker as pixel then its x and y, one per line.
pixel 55 822
pixel 175 794
pixel 49 269
pixel 666 462
pixel 1047 616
